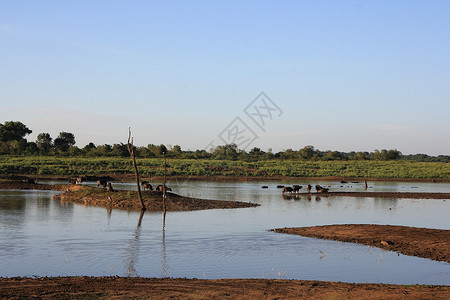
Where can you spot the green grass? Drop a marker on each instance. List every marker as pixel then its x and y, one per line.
pixel 72 166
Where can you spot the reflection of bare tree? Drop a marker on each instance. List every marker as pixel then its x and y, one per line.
pixel 140 218
pixel 163 245
pixel 133 248
pixel 108 214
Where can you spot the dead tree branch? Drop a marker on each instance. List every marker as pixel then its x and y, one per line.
pixel 131 151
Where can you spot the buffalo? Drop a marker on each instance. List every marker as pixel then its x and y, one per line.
pixel 159 188
pixel 296 188
pixel 287 189
pixel 110 188
pixel 29 181
pixel 102 182
pixel 147 185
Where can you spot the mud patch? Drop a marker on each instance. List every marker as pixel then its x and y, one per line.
pixel 421 242
pixel 179 288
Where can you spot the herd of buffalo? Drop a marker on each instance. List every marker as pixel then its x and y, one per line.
pixel 296 189
pixel 103 181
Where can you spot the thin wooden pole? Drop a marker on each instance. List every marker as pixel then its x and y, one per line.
pixel 131 151
pixel 164 185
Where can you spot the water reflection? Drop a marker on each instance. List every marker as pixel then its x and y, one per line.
pixel 133 248
pixel 163 248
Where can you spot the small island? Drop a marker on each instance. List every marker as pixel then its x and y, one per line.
pixel 122 199
pixel 152 199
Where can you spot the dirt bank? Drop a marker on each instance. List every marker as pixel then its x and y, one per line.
pixel 422 242
pixel 393 195
pixel 173 288
pixel 153 200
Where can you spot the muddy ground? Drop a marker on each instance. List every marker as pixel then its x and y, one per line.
pixel 422 242
pixel 153 200
pixel 364 194
pixel 179 288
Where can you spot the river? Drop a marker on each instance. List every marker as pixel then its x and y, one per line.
pixel 43 237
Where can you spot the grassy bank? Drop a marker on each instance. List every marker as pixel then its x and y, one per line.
pixel 72 166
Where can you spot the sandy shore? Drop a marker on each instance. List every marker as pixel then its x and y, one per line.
pixel 422 242
pixel 178 288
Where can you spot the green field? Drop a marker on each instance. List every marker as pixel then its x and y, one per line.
pixel 72 166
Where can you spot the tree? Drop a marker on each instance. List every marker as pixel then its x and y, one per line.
pixel 120 150
pixel 256 152
pixel 176 150
pixel 361 156
pixel 229 151
pixel 162 149
pixel 89 148
pixel 307 152
pixel 393 154
pixel 64 141
pixel 44 142
pixel 13 131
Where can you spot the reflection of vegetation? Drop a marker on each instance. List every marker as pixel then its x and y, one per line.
pixel 50 165
pixel 13 203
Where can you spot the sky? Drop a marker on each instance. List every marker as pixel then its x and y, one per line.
pixel 337 75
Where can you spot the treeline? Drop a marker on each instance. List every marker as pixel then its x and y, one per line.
pixel 13 142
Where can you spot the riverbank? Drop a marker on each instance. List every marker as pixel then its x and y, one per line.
pixel 179 288
pixel 364 194
pixel 421 242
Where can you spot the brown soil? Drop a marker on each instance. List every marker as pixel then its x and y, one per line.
pixel 422 242
pixel 152 200
pixel 173 288
pixel 394 195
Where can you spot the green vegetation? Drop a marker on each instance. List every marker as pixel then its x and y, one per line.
pixel 61 157
pixel 72 166
pixel 12 142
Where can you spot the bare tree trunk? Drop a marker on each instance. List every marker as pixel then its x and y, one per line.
pixel 164 185
pixel 131 151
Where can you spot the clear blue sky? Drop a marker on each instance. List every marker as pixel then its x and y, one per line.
pixel 347 75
